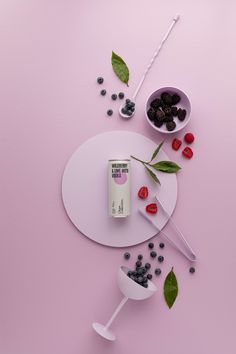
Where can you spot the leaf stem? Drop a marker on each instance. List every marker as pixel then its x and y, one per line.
pixel 135 158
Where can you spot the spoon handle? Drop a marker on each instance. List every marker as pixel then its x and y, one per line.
pixel 175 19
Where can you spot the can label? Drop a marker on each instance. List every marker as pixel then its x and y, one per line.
pixel 119 188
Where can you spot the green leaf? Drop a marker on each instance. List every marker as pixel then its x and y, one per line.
pixel 156 151
pixel 170 288
pixel 120 68
pixel 152 175
pixel 166 166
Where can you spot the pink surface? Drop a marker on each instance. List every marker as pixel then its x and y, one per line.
pixel 85 195
pixel 54 282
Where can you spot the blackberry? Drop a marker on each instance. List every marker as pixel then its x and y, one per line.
pixel 100 80
pixel 126 255
pixel 166 98
pixel 175 98
pixel 147 266
pixel 160 114
pixel 114 96
pixel 103 92
pixel 168 119
pixel 109 112
pixel 174 111
pixel 151 245
pixel 153 254
pixel 167 111
pixel 158 271
pixel 181 114
pixel 161 245
pixel 158 123
pixel 121 95
pixel 149 276
pixel 192 270
pixel 156 103
pixel 160 259
pixel 171 126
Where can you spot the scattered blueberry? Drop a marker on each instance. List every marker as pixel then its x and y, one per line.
pixel 140 257
pixel 138 264
pixel 121 95
pixel 151 245
pixel 192 270
pixel 158 271
pixel 100 80
pixel 147 266
pixel 161 245
pixel 103 92
pixel 160 259
pixel 109 112
pixel 127 255
pixel 149 276
pixel 153 254
pixel 114 96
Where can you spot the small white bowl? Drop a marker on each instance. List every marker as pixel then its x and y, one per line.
pixel 184 104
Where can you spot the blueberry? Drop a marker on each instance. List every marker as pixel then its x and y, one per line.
pixel 170 126
pixel 127 100
pixel 151 245
pixel 127 255
pixel 181 114
pixel 149 276
pixel 109 112
pixel 156 103
pixel 174 111
pixel 132 104
pixel 140 279
pixel 160 259
pixel 145 285
pixel 100 80
pixel 147 266
pixel 103 92
pixel 153 254
pixel 132 109
pixel 138 264
pixel 121 95
pixel 144 270
pixel 158 271
pixel 129 112
pixel 161 245
pixel 145 279
pixel 192 270
pixel 129 273
pixel 140 271
pixel 140 257
pixel 175 98
pixel 114 96
pixel 132 277
pixel 151 113
pixel 124 110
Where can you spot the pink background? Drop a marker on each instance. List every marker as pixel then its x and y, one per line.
pixel 55 282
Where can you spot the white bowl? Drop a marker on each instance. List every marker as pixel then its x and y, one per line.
pixel 184 104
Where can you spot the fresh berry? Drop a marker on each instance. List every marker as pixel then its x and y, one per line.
pixel 103 92
pixel 174 111
pixel 124 110
pixel 145 285
pixel 121 95
pixel 160 259
pixel 143 192
pixel 160 115
pixel 140 279
pixel 151 208
pixel 151 245
pixel 109 112
pixel 189 138
pixel 158 122
pixel 127 100
pixel 149 276
pixel 181 114
pixel 100 80
pixel 140 257
pixel 161 245
pixel 127 255
pixel 153 254
pixel 175 98
pixel 192 270
pixel 151 113
pixel 156 103
pixel 167 111
pixel 147 266
pixel 158 271
pixel 167 99
pixel 171 126
pixel 138 264
pixel 140 271
pixel 145 279
pixel 187 152
pixel 129 112
pixel 176 143
pixel 144 270
pixel 114 96
pixel 168 119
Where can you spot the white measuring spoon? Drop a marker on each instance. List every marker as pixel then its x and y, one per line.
pixel 126 116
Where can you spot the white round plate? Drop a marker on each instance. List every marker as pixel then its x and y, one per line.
pixel 85 189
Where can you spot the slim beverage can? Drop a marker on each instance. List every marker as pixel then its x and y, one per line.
pixel 119 188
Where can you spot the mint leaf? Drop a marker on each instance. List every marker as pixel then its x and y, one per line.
pixel 152 175
pixel 170 288
pixel 120 68
pixel 166 166
pixel 156 151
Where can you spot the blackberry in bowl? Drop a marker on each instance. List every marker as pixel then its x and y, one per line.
pixel 168 110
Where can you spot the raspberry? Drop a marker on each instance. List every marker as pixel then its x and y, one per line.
pixel 151 208
pixel 189 138
pixel 187 152
pixel 176 143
